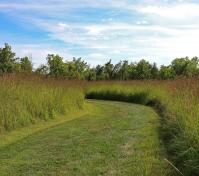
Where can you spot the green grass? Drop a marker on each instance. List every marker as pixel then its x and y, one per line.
pixel 177 104
pixel 29 100
pixel 112 139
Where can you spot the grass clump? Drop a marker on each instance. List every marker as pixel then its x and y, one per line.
pixel 26 100
pixel 177 103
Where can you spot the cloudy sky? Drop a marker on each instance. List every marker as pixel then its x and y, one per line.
pixel 98 30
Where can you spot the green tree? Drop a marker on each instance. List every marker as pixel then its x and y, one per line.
pixel 91 75
pixel 116 71
pixel 143 70
pixel 7 59
pixel 77 69
pixel 124 71
pixel 56 65
pixel 185 66
pixel 100 75
pixel 42 70
pixel 132 71
pixel 166 72
pixel 154 71
pixel 108 70
pixel 26 65
pixel 192 67
pixel 179 65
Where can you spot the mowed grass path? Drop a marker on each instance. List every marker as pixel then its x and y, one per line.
pixel 112 139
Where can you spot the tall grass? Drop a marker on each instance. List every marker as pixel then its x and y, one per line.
pixel 25 100
pixel 30 99
pixel 177 102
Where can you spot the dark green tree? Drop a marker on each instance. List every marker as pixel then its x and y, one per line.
pixel 154 71
pixel 42 69
pixel 7 59
pixel 108 70
pixel 91 74
pixel 143 70
pixel 116 71
pixel 100 75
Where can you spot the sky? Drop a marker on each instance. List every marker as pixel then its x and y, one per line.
pixel 99 30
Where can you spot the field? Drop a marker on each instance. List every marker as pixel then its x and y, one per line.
pixel 49 128
pixel 99 88
pixel 28 99
pixel 111 139
pixel 176 102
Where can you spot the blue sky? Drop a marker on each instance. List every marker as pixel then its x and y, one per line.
pixel 98 30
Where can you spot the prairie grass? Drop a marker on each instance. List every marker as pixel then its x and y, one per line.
pixel 30 99
pixel 26 100
pixel 177 103
pixel 111 139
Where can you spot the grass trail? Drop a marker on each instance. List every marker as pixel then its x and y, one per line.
pixel 113 139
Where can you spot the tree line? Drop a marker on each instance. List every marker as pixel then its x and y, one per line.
pixel 79 69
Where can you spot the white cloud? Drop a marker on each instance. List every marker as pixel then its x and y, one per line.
pixel 97 55
pixel 62 26
pixel 163 30
pixel 38 52
pixel 96 58
pixel 142 22
pixel 61 5
pixel 122 39
pixel 176 11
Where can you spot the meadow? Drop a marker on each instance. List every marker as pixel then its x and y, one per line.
pixel 176 102
pixel 31 100
pixel 28 99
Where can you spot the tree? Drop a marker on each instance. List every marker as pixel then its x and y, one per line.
pixel 124 70
pixel 179 65
pixel 192 67
pixel 56 65
pixel 91 76
pixel 42 69
pixel 132 71
pixel 185 66
pixel 116 71
pixel 108 70
pixel 26 65
pixel 166 72
pixel 100 72
pixel 154 71
pixel 7 59
pixel 77 69
pixel 143 70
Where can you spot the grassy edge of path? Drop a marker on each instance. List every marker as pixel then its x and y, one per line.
pixel 10 137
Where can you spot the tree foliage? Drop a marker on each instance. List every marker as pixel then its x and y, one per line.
pixel 9 64
pixel 79 69
pixel 6 59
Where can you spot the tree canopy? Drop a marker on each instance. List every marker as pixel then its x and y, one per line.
pixel 77 68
